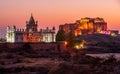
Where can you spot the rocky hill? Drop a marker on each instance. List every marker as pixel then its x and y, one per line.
pixel 100 42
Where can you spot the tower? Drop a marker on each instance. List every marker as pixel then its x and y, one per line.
pixel 11 33
pixel 31 25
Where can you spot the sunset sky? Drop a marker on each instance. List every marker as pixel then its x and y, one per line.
pixel 55 12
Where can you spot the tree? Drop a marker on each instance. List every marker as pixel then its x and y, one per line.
pixel 72 41
pixel 60 36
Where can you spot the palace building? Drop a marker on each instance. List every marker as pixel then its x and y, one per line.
pixel 85 26
pixel 31 33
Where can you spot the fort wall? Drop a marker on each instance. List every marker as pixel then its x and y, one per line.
pixel 36 46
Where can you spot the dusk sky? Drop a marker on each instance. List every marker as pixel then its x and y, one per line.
pixel 55 12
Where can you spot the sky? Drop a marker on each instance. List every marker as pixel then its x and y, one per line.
pixel 55 12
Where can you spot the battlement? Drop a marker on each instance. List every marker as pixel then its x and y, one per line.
pixel 48 30
pixel 14 29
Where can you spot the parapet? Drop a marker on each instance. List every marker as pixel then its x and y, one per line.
pixel 48 30
pixel 14 29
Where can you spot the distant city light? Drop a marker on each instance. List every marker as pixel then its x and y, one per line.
pixel 79 46
pixel 66 42
pixel 113 34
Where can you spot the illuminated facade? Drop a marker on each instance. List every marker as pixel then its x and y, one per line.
pixel 30 34
pixel 85 26
pixel 67 28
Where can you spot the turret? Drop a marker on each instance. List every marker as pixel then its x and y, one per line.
pixel 14 28
pixel 40 30
pixel 8 28
pixel 53 28
pixel 26 22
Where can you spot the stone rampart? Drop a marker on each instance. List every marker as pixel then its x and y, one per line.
pixel 36 46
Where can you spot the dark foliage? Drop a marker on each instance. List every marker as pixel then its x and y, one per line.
pixel 60 36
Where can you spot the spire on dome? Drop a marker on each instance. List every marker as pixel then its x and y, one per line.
pixel 31 21
pixel 31 14
pixel 31 25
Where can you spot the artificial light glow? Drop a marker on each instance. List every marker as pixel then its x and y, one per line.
pixel 113 34
pixel 66 43
pixel 77 47
pixel 81 45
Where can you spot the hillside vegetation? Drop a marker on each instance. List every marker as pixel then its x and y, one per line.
pixel 101 43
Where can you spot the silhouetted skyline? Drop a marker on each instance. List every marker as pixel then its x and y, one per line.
pixel 55 12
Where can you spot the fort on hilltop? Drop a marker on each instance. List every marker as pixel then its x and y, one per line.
pixel 87 26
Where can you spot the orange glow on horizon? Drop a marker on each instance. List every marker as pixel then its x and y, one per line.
pixel 55 12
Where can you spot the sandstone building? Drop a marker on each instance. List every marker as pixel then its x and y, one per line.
pixel 85 26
